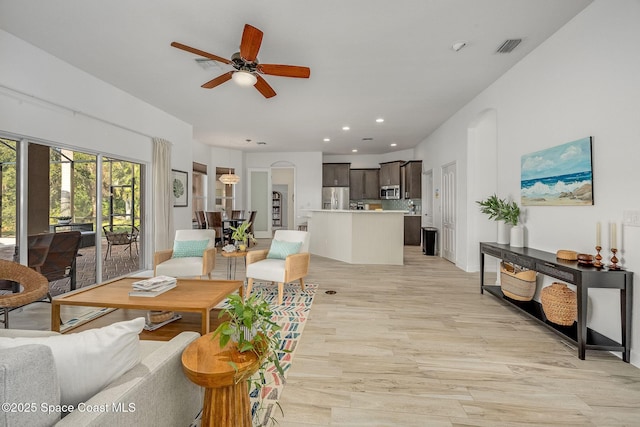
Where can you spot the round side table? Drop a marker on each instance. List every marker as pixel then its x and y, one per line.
pixel 232 257
pixel 226 395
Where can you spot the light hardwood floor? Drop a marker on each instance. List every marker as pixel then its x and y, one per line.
pixel 418 345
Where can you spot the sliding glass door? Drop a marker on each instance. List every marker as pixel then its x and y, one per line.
pixel 63 189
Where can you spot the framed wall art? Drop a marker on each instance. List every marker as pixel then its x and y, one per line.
pixel 180 188
pixel 558 176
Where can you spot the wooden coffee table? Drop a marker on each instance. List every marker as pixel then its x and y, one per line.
pixel 191 296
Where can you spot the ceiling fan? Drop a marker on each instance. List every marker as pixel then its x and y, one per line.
pixel 247 68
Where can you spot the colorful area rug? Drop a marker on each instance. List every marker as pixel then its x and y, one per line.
pixel 291 316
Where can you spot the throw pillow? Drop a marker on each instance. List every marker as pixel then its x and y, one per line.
pixel 189 248
pixel 88 361
pixel 280 249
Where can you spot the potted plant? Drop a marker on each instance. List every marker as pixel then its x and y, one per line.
pixel 491 206
pixel 250 327
pixel 505 213
pixel 241 235
pixel 510 213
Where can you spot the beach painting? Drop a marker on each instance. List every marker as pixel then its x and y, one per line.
pixel 558 176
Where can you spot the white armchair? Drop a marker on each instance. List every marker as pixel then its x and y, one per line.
pixel 186 241
pixel 291 267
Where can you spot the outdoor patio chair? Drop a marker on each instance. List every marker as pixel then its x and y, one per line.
pixel 61 258
pixel 121 238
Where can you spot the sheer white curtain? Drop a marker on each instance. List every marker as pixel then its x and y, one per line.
pixel 162 195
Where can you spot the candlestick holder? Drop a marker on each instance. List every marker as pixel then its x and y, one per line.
pixel 614 261
pixel 598 258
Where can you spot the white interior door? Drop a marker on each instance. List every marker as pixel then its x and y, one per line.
pixel 259 200
pixel 449 212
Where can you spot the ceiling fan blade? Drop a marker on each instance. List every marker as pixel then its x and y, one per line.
pixel 200 52
pixel 250 44
pixel 264 88
pixel 218 80
pixel 285 70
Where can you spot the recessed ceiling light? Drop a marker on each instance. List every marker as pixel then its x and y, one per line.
pixel 379 120
pixel 354 150
pixel 345 128
pixel 393 144
pixel 458 45
pixel 326 139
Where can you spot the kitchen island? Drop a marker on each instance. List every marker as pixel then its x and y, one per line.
pixel 358 236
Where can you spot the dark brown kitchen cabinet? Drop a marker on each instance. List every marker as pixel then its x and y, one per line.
pixel 411 173
pixel 390 173
pixel 335 174
pixel 412 227
pixel 364 184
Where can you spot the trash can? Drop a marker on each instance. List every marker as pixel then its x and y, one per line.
pixel 429 240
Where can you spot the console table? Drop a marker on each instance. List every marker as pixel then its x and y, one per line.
pixel 584 278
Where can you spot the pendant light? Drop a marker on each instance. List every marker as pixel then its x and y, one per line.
pixel 229 178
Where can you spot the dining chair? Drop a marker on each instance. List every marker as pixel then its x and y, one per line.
pixel 214 221
pixel 201 219
pixel 252 220
pixel 237 214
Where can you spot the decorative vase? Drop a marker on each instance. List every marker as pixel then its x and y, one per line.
pixel 517 236
pixel 504 231
pixel 241 245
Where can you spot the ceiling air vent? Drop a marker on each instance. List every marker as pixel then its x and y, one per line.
pixel 367 139
pixel 207 64
pixel 508 45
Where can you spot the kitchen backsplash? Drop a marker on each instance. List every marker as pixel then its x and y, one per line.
pixel 394 205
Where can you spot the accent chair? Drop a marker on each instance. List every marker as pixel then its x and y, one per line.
pixel 193 255
pixel 287 260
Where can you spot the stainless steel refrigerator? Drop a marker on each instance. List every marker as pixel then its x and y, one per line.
pixel 335 198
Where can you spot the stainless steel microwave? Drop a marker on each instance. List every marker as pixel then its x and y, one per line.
pixel 388 192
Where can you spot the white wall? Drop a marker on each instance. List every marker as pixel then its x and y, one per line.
pixel 583 81
pixel 308 176
pixel 48 100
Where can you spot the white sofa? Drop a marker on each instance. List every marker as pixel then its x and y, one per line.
pixel 154 392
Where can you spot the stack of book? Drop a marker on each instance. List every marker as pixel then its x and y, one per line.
pixel 152 287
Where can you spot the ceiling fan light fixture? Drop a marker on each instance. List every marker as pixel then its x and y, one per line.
pixel 229 178
pixel 244 78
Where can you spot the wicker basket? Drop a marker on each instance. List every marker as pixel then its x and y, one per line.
pixel 559 304
pixel 517 283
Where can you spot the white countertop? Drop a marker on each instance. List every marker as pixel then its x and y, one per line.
pixel 355 211
pixel 405 213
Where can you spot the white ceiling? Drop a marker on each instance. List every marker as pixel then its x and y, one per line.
pixel 368 59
